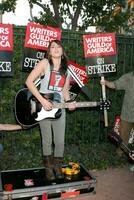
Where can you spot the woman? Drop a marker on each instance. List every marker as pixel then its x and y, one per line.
pixel 57 81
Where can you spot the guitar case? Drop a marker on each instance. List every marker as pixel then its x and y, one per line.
pixel 31 184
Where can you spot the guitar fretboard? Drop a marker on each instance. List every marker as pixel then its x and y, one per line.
pixel 77 104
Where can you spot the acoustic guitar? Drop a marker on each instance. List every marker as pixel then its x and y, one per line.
pixel 29 111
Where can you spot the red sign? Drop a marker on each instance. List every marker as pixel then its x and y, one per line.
pixel 39 36
pixel 56 81
pixel 78 73
pixel 6 37
pixel 100 44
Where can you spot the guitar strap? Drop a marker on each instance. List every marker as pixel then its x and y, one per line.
pixel 38 81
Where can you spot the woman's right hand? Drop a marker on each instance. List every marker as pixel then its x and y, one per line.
pixel 47 105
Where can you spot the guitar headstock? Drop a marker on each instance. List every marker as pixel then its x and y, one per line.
pixel 104 104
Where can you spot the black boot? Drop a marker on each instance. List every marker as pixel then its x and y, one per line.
pixel 58 167
pixel 48 163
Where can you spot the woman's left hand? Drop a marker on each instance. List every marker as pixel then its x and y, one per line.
pixel 72 105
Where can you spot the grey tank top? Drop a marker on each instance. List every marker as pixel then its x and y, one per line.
pixel 45 84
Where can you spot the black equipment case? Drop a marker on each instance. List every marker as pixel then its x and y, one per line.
pixel 31 184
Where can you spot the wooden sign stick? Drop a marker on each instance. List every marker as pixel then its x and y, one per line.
pixel 104 98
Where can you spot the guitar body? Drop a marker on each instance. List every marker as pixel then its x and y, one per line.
pixel 28 111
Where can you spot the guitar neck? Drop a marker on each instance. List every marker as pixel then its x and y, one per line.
pixel 77 104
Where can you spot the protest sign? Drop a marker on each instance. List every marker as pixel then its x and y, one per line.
pixel 37 40
pixel 100 53
pixel 78 79
pixel 100 56
pixel 6 50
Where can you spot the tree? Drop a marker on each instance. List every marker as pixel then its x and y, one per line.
pixel 8 5
pixel 76 14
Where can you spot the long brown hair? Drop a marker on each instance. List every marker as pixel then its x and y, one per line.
pixel 64 61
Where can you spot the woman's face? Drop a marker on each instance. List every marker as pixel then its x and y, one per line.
pixel 55 50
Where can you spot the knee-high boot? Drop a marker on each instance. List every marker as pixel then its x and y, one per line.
pixel 58 167
pixel 48 163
